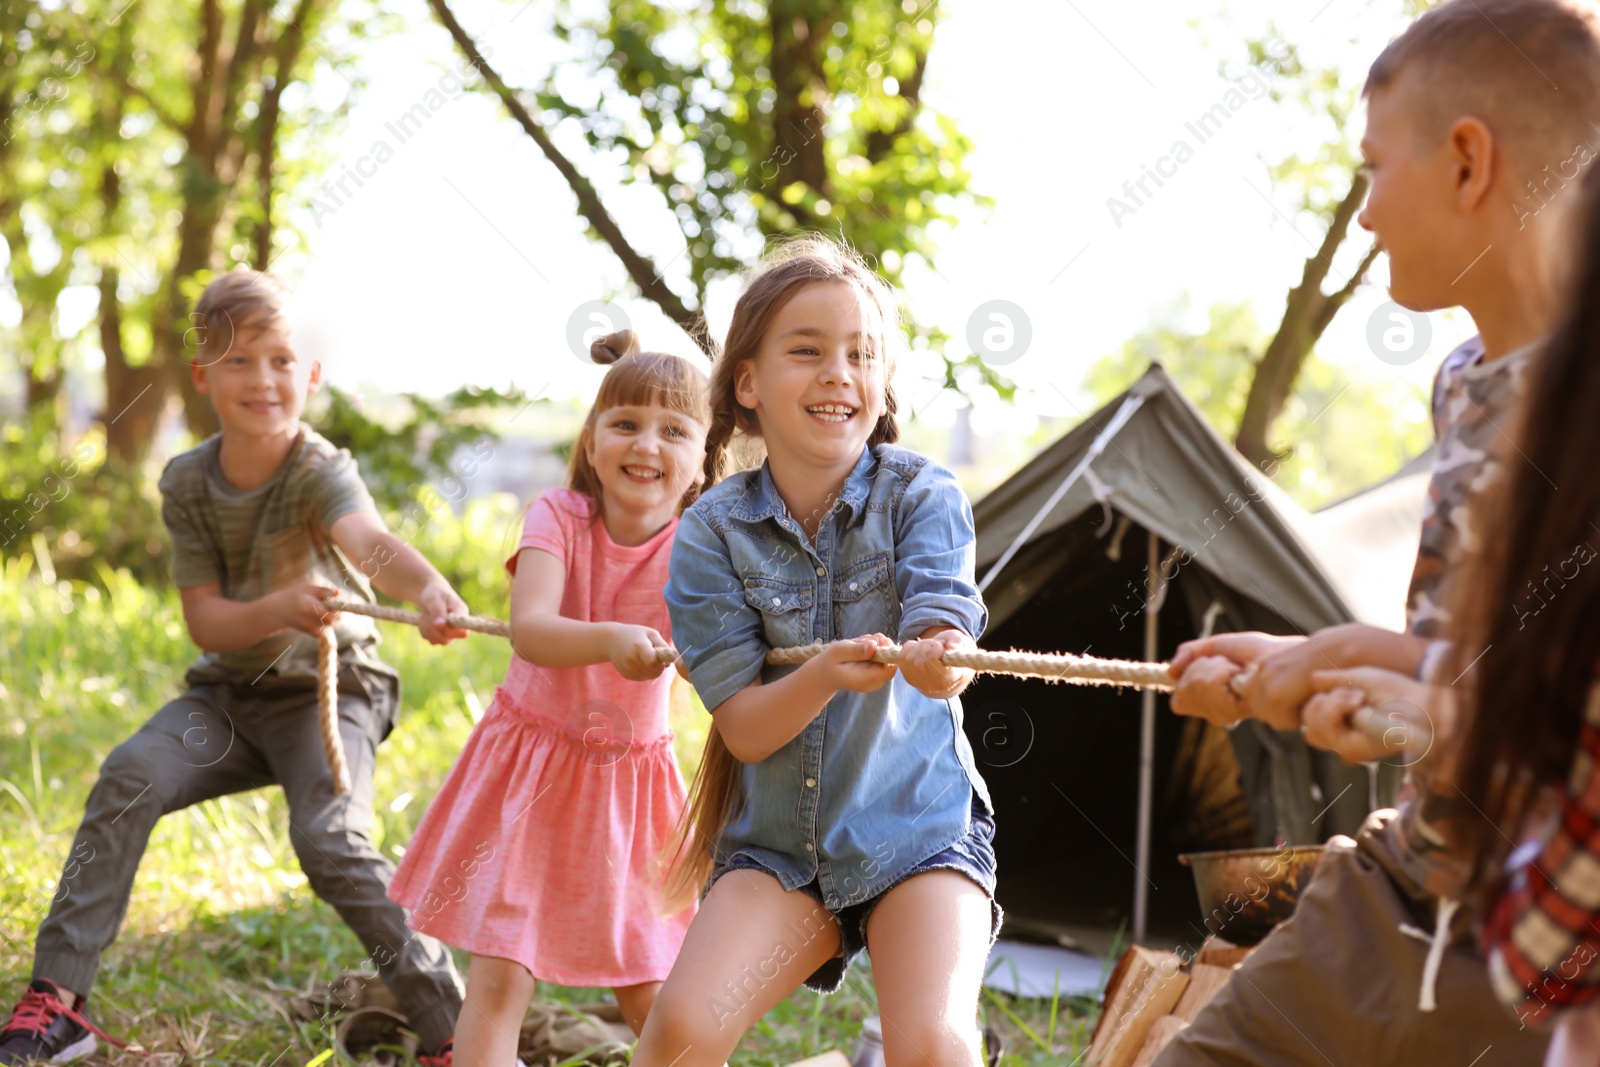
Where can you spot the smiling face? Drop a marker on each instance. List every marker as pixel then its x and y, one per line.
pixel 1412 200
pixel 259 386
pixel 817 382
pixel 646 457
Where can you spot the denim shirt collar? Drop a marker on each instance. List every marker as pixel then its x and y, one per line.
pixel 761 500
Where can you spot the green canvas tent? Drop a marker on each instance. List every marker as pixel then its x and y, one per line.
pixel 1099 789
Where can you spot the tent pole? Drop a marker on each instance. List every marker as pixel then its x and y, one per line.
pixel 1147 741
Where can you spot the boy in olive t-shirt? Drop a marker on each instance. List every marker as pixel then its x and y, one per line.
pixel 267 521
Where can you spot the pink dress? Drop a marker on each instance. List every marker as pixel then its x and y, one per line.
pixel 543 844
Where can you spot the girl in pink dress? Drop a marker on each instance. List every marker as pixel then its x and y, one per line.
pixel 540 854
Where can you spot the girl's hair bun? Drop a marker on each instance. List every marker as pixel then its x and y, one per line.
pixel 614 346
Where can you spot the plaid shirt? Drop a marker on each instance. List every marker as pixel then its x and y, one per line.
pixel 1542 936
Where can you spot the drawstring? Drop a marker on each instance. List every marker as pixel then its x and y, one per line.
pixel 1427 1001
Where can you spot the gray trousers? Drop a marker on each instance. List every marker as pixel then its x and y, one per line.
pixel 227 738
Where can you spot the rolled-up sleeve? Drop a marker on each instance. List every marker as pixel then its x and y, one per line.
pixel 717 632
pixel 935 557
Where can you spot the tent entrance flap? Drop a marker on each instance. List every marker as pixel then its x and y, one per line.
pixel 1063 764
pixel 1094 787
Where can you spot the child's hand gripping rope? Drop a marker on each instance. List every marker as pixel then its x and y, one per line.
pixel 1052 667
pixel 638 652
pixel 1362 714
pixel 1365 714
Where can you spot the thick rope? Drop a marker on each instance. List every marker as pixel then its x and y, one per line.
pixel 475 623
pixel 1061 667
pixel 1052 667
pixel 328 708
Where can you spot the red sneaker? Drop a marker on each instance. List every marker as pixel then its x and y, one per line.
pixel 441 1057
pixel 44 1029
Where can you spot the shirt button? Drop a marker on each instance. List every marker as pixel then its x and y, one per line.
pixel 810 847
pixel 852 585
pixel 777 601
pixel 811 783
pixel 821 571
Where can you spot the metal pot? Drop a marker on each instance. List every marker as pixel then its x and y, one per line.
pixel 1245 892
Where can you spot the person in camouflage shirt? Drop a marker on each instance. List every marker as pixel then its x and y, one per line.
pixel 1378 965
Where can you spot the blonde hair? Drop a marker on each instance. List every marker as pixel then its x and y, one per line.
pixel 635 378
pixel 714 796
pixel 231 302
pixel 1530 69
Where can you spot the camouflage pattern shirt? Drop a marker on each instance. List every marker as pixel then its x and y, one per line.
pixel 1474 408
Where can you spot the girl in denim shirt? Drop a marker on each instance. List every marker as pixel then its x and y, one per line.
pixel 838 807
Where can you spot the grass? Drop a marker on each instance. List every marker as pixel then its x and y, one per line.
pixel 223 928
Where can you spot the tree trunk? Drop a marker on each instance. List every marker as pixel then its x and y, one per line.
pixel 196 239
pixel 798 32
pixel 1305 316
pixel 212 142
pixel 38 350
pixel 266 153
pixel 136 396
pixel 285 52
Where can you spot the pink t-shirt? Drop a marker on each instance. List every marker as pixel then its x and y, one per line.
pixel 605 582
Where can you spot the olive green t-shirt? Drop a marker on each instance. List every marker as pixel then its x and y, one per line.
pixel 255 541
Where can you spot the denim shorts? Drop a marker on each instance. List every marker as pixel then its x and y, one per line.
pixel 973 856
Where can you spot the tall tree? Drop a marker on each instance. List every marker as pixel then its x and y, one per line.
pixel 1330 188
pixel 761 118
pixel 147 149
pixel 1262 385
pixel 41 61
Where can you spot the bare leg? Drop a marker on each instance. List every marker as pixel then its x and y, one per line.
pixel 929 938
pixel 751 945
pixel 498 994
pixel 636 1002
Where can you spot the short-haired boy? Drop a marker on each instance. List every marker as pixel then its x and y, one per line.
pixel 1476 116
pixel 267 521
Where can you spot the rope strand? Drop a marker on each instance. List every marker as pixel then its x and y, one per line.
pixel 476 623
pixel 328 708
pixel 1054 667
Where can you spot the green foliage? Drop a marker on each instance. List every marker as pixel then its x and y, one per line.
pixel 470 550
pixel 105 185
pixel 759 120
pixel 75 508
pixel 1322 100
pixel 434 445
pixel 689 99
pixel 1341 432
pixel 420 467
